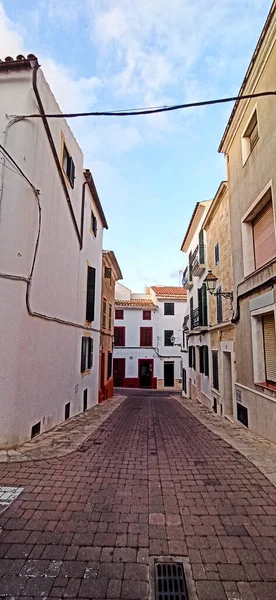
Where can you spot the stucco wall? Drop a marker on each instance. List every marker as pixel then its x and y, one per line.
pixel 39 359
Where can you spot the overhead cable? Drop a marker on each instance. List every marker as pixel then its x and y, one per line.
pixel 148 111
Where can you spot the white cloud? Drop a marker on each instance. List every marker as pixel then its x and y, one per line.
pixel 69 92
pixel 11 41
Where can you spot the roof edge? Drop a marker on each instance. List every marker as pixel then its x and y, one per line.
pixel 222 189
pixel 91 184
pixel 115 263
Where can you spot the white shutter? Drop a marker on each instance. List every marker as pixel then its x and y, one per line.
pixel 270 346
pixel 264 236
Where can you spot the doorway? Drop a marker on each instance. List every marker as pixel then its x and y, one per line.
pixel 145 373
pixel 169 374
pixel 119 369
pixel 227 384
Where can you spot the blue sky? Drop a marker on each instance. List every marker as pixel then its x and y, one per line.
pixel 111 54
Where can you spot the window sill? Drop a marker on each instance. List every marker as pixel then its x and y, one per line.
pixel 86 372
pixel 267 385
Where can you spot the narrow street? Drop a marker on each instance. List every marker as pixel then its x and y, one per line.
pixel 151 481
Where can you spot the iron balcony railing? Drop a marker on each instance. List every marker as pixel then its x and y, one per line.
pixel 195 318
pixel 198 258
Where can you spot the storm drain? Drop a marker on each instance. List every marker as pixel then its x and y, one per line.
pixel 170 582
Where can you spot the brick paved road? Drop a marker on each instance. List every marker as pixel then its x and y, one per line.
pixel 151 481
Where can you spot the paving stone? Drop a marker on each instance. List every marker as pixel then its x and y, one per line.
pixel 134 590
pixel 232 572
pixel 210 590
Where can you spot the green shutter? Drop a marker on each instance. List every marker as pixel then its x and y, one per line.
pixel 190 267
pixel 201 359
pixel 83 354
pixel 204 305
pixel 219 306
pixel 90 294
pixel 199 297
pixel 206 360
pixel 201 247
pixel 191 312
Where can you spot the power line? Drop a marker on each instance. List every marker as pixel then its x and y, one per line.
pixel 149 111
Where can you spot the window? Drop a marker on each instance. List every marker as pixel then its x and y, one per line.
pixel 191 312
pixel 250 137
pixel 202 305
pixel 219 305
pixel 264 239
pixel 215 369
pixel 84 400
pixel 168 333
pixel 146 315
pixel 269 334
pixel 145 336
pixel 204 360
pixel 119 313
pixel 110 317
pixel 36 429
pixel 90 294
pixel 86 353
pixel 119 336
pixel 109 365
pixel 201 256
pixel 242 414
pixel 184 381
pixel 68 166
pixel 192 357
pixel 67 411
pixel 107 273
pixel 93 224
pixel 217 254
pixel 190 267
pixel 168 308
pixel 104 314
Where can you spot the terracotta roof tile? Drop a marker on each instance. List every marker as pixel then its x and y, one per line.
pixel 20 62
pixel 137 303
pixel 162 290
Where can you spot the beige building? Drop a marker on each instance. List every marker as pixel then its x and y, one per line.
pixel 110 274
pixel 221 328
pixel 249 144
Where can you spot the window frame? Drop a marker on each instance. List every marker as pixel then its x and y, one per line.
pixel 104 313
pixel 69 169
pixel 246 143
pixel 166 337
pixel 87 347
pixel 166 304
pixel 265 196
pixel 258 347
pixel 147 312
pixel 122 335
pixel 90 293
pixel 143 331
pixel 119 310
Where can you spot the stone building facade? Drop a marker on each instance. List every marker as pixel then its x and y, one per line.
pixel 249 145
pixel 110 274
pixel 221 328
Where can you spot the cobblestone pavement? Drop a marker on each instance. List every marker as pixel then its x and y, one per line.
pixel 152 480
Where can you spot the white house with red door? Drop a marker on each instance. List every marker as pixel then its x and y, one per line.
pixel 148 337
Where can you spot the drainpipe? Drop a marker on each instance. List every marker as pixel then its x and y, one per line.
pixel 82 210
pixel 259 287
pixel 53 148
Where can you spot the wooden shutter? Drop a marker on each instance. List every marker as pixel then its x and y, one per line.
pixel 219 306
pixel 167 337
pixel 190 356
pixel 201 247
pixel 194 358
pixel 201 359
pixel 71 171
pixel 107 273
pixel 206 360
pixel 83 354
pixel 264 236
pixel 204 305
pixel 109 364
pixel 119 336
pixel 90 294
pixel 190 267
pixel 270 346
pixel 217 254
pixel 184 381
pixel 199 298
pixel 191 312
pixel 145 336
pixel 215 370
pixel 119 313
pixel 90 353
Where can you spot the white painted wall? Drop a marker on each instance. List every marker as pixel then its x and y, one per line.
pixel 133 320
pixel 122 292
pixel 39 359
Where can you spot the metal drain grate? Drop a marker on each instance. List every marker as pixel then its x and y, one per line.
pixel 170 583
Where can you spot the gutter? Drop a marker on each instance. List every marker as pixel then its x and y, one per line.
pixel 54 152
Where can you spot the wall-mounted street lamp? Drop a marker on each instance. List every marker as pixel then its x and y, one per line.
pixel 211 282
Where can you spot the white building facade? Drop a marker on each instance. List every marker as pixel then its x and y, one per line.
pixel 196 359
pixel 51 228
pixel 148 337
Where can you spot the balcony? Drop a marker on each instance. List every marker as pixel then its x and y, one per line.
pixel 198 260
pixel 185 325
pixel 195 318
pixel 187 280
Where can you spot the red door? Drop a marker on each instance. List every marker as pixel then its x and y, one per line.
pixel 119 370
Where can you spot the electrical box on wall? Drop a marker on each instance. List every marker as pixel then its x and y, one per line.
pixel 238 396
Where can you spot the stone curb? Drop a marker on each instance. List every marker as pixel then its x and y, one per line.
pixel 65 437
